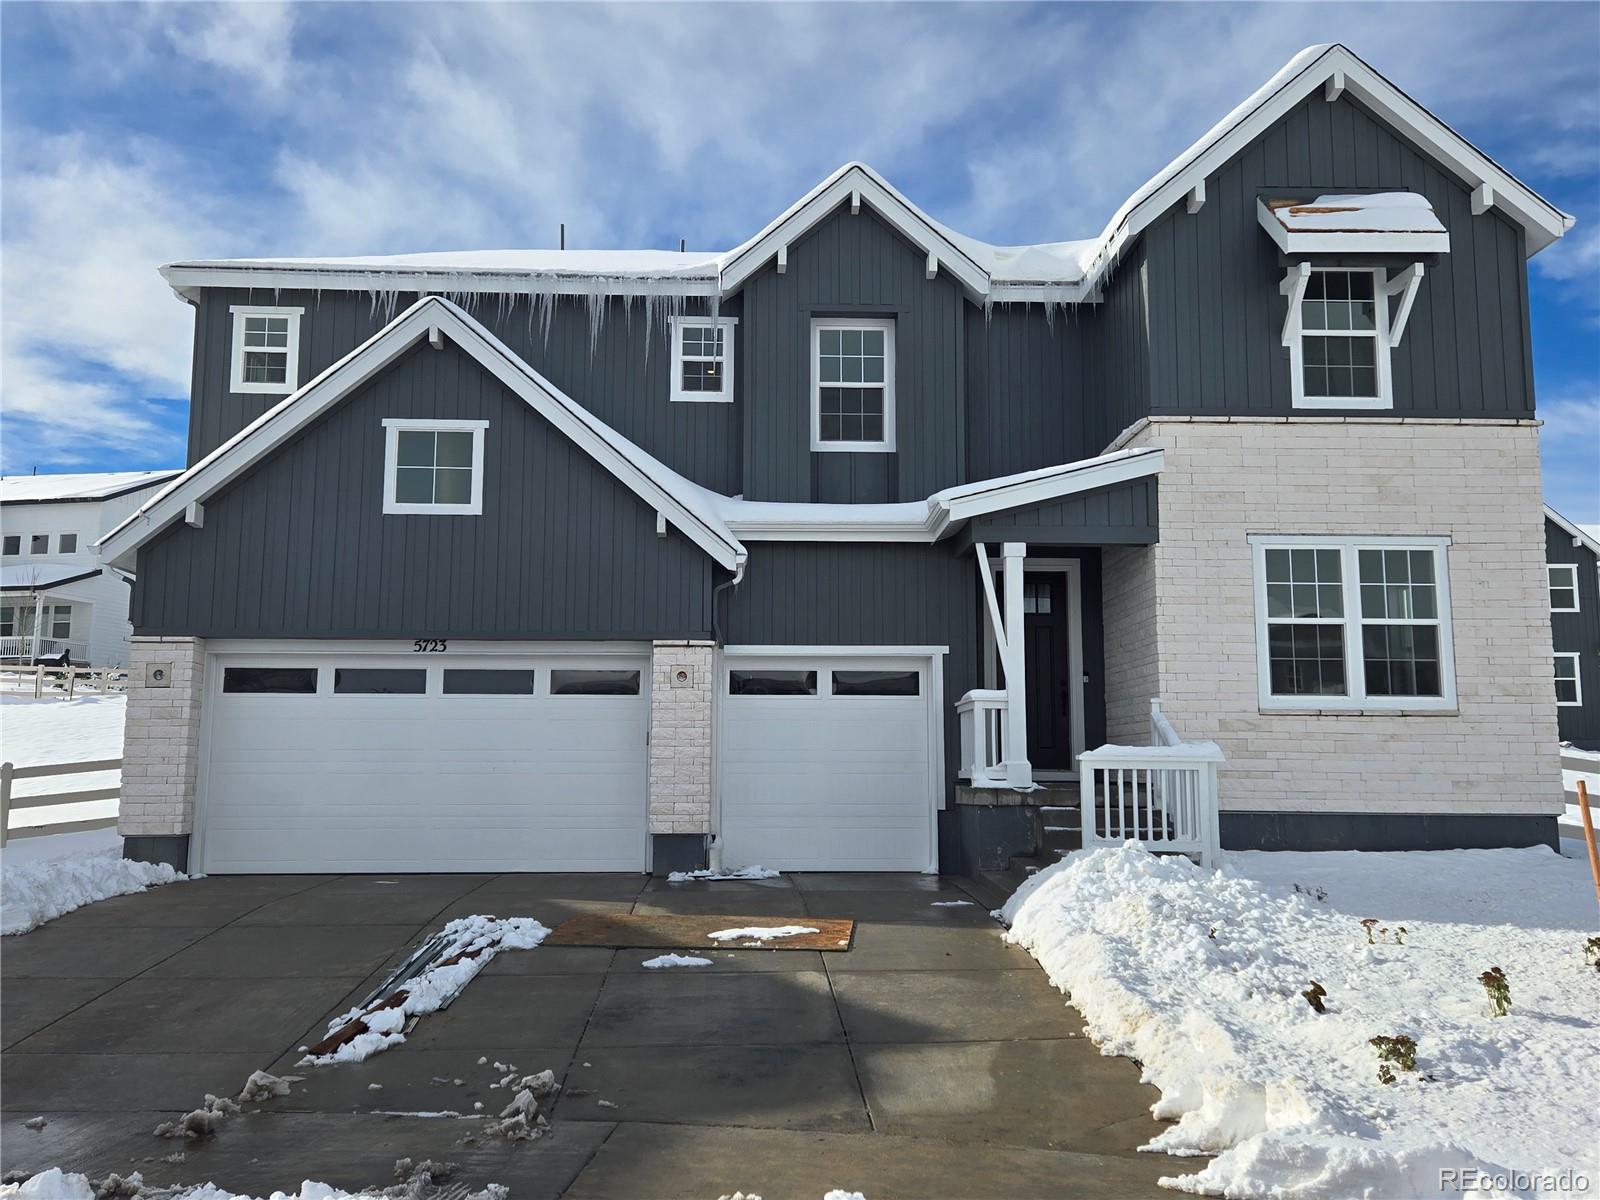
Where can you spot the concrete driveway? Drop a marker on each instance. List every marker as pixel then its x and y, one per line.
pixel 930 1060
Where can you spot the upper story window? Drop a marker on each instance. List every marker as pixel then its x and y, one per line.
pixel 66 543
pixel 1569 681
pixel 39 543
pixel 266 349
pixel 702 359
pixel 1340 358
pixel 1353 623
pixel 852 384
pixel 433 467
pixel 1563 587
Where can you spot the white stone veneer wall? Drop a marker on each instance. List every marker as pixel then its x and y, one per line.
pixel 161 742
pixel 1477 483
pixel 681 680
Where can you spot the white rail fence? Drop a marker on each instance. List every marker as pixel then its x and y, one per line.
pixel 982 720
pixel 10 773
pixel 1163 795
pixel 62 683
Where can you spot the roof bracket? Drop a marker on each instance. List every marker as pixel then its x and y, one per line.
pixel 1406 284
pixel 194 515
pixel 933 264
pixel 783 259
pixel 1334 88
pixel 855 202
pixel 661 524
pixel 1482 199
pixel 435 337
pixel 1197 197
pixel 1294 287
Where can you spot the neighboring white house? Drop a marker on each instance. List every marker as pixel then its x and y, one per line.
pixel 54 594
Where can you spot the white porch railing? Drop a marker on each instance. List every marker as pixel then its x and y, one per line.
pixel 1164 795
pixel 982 719
pixel 23 649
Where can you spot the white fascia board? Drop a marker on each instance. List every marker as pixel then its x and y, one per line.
pixel 854 184
pixel 262 437
pixel 834 528
pixel 186 279
pixel 1572 530
pixel 1542 220
pixel 1036 487
pixel 1348 241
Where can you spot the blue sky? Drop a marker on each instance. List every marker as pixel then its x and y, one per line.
pixel 138 134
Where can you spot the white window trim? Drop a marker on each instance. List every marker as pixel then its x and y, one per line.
pixel 1577 680
pixel 392 427
pixel 291 379
pixel 1355 676
pixel 818 324
pixel 1550 585
pixel 728 326
pixel 1294 338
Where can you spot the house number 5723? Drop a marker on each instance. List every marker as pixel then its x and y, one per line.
pixel 429 646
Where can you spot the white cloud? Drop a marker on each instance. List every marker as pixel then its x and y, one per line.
pixel 385 128
pixel 1569 448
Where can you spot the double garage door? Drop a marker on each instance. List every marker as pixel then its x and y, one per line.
pixel 424 761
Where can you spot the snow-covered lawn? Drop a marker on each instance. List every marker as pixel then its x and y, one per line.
pixel 40 732
pixel 1200 976
pixel 43 877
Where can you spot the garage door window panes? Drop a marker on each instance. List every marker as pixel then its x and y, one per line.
pixel 594 683
pixel 292 681
pixel 488 682
pixel 877 683
pixel 379 681
pixel 772 683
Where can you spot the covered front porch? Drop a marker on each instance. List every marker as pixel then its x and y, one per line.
pixel 1033 746
pixel 42 614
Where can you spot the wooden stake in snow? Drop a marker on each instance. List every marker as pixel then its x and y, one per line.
pixel 1588 834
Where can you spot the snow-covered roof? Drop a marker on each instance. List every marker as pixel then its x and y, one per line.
pixel 1379 223
pixel 37 576
pixel 58 489
pixel 711 520
pixel 1589 535
pixel 1066 271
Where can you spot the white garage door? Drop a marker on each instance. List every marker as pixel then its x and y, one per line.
pixel 827 763
pixel 424 762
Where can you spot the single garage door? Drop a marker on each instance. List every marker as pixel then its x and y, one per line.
pixel 424 762
pixel 827 763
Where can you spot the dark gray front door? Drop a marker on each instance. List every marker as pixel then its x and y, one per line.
pixel 1045 622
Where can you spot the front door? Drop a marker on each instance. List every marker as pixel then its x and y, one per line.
pixel 1045 637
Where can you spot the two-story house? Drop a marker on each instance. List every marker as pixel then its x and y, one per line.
pixel 825 551
pixel 55 595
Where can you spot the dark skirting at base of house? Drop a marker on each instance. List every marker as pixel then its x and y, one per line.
pixel 677 852
pixel 1385 831
pixel 172 849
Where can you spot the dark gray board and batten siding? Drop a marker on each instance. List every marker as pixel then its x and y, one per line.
pixel 1216 317
pixel 624 380
pixel 1578 633
pixel 853 265
pixel 300 547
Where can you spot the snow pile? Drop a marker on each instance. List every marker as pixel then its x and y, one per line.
pixel 739 873
pixel 202 1122
pixel 758 933
pixel 1200 977
pixel 34 890
pixel 675 960
pixel 473 941
pixel 56 1184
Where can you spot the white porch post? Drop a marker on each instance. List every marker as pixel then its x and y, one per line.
pixel 38 623
pixel 1019 771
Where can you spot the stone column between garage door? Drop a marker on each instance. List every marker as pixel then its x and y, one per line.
pixel 161 749
pixel 681 678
